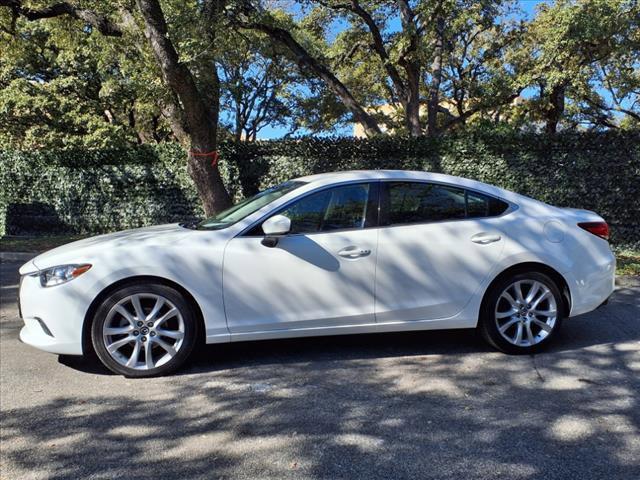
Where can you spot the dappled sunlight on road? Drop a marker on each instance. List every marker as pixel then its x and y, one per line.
pixel 409 405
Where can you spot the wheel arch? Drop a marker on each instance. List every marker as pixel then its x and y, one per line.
pixel 87 346
pixel 523 267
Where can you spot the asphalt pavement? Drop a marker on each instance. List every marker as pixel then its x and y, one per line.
pixel 437 405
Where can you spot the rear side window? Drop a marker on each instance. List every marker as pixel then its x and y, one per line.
pixel 423 202
pixel 419 202
pixel 479 205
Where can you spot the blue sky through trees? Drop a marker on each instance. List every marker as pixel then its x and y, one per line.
pixel 527 11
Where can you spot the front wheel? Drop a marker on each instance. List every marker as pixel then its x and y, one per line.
pixel 144 330
pixel 522 313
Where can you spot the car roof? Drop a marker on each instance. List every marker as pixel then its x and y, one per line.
pixel 355 175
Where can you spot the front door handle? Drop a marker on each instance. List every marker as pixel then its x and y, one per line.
pixel 354 252
pixel 485 238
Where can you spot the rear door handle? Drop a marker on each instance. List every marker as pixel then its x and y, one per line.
pixel 485 238
pixel 354 252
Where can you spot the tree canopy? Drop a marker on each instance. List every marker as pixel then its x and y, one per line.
pixel 101 74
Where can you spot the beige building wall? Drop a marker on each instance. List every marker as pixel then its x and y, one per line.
pixel 390 111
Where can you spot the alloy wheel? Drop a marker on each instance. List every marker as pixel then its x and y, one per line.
pixel 526 313
pixel 143 331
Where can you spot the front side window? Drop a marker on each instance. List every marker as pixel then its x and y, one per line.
pixel 247 207
pixel 336 208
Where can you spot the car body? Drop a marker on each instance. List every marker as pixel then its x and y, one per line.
pixel 376 273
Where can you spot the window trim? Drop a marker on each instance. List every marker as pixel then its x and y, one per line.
pixel 372 212
pixel 384 194
pixel 381 188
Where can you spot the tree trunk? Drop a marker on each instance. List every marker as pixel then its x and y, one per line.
pixel 237 135
pixel 556 108
pixel 412 67
pixel 201 124
pixel 412 113
pixel 433 101
pixel 193 117
pixel 171 112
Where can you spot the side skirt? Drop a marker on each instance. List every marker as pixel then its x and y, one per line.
pixel 438 324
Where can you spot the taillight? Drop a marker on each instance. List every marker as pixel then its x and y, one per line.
pixel 600 229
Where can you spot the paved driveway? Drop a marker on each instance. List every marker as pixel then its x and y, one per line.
pixel 421 405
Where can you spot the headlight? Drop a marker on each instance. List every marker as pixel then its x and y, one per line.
pixel 61 274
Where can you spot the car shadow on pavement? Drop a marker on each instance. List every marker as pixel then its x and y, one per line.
pixel 223 356
pixel 579 332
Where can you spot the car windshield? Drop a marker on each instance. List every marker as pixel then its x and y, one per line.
pixel 247 207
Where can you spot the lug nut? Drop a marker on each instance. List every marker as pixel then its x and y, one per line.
pixel 150 324
pixel 153 334
pixel 144 339
pixel 136 332
pixel 140 324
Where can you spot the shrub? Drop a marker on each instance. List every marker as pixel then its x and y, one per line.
pixel 93 191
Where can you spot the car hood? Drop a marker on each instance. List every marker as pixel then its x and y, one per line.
pixel 83 250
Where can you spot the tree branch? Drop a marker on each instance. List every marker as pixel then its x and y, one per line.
pixel 378 43
pixel 478 108
pixel 305 59
pixel 616 108
pixel 96 20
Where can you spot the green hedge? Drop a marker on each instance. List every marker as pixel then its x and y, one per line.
pixel 91 191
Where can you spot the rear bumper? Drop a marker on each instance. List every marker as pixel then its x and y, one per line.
pixel 593 289
pixel 605 301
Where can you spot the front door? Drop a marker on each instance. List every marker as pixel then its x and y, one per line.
pixel 321 274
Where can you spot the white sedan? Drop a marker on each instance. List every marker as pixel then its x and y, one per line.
pixel 329 254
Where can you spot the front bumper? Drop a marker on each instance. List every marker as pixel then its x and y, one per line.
pixel 32 334
pixel 53 317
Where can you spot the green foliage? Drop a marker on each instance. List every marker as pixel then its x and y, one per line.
pixel 90 191
pixel 591 50
pixel 576 65
pixel 52 92
pixel 87 191
pixel 64 85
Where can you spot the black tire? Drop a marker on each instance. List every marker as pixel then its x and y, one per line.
pixel 488 326
pixel 190 324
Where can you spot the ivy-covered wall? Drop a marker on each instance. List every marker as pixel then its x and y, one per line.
pixel 91 191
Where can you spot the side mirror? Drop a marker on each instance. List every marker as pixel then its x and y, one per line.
pixel 274 228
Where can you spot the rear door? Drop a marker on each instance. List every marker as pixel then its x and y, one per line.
pixel 436 245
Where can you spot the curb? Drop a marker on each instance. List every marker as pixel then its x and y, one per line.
pixel 625 281
pixel 17 256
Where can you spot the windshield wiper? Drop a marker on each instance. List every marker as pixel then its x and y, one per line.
pixel 191 224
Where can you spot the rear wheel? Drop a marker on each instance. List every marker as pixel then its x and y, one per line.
pixel 522 313
pixel 144 330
